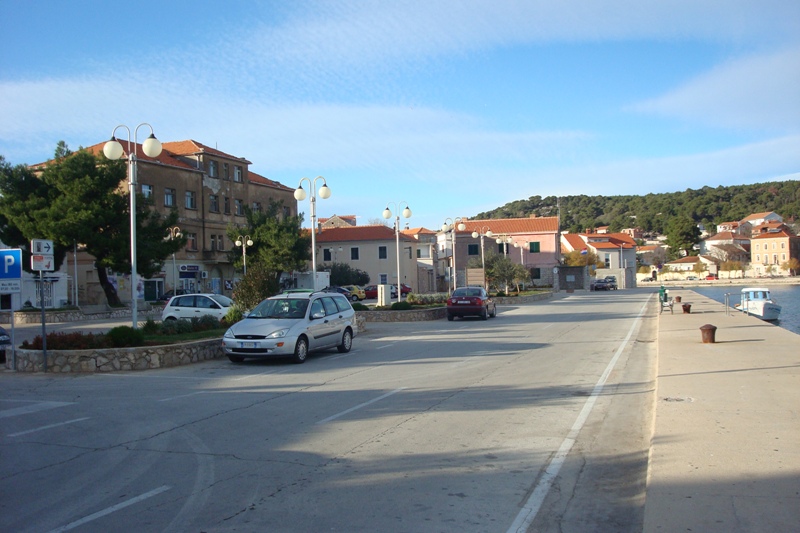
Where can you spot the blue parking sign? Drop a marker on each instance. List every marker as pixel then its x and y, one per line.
pixel 11 264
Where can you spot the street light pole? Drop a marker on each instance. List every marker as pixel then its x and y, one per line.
pixel 300 195
pixel 113 150
pixel 387 214
pixel 483 231
pixel 174 233
pixel 452 226
pixel 244 242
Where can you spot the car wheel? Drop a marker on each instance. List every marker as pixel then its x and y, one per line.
pixel 494 312
pixel 170 318
pixel 484 314
pixel 236 358
pixel 347 342
pixel 354 297
pixel 450 317
pixel 300 351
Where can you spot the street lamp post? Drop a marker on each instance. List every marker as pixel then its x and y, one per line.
pixel 452 226
pixel 300 195
pixel 387 214
pixel 174 233
pixel 113 150
pixel 504 240
pixel 244 242
pixel 521 247
pixel 482 232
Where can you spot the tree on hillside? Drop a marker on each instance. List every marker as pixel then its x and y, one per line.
pixel 279 245
pixel 682 235
pixel 77 199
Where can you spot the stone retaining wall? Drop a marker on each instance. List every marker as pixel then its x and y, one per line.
pixel 76 315
pixel 114 359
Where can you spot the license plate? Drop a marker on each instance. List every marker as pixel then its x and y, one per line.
pixel 464 301
pixel 247 345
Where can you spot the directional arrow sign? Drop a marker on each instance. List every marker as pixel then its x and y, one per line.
pixel 41 246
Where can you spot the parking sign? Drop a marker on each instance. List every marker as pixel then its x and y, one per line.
pixel 10 271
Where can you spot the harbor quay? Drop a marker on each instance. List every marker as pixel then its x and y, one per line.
pixel 725 454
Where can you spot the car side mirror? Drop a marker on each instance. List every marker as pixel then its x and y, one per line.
pixel 317 315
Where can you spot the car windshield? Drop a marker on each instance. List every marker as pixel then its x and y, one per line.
pixel 224 301
pixel 465 292
pixel 280 308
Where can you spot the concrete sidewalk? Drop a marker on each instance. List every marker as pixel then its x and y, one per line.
pixel 725 455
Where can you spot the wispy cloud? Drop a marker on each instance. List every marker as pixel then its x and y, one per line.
pixel 757 91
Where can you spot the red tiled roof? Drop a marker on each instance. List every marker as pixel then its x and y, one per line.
pixel 725 236
pixel 773 235
pixel 192 147
pixel 359 233
pixel 417 231
pixel 512 226
pixel 574 241
pixel 261 180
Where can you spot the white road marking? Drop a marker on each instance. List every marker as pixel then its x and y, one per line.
pixel 47 427
pixel 33 408
pixel 531 508
pixel 359 406
pixel 113 508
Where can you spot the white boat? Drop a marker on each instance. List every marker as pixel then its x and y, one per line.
pixel 757 301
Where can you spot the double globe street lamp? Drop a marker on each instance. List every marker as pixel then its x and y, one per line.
pixel 113 150
pixel 244 242
pixel 300 195
pixel 387 214
pixel 452 226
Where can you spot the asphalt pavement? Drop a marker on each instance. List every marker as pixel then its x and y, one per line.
pixel 725 453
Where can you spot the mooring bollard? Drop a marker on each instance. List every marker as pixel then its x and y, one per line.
pixel 677 299
pixel 687 308
pixel 708 332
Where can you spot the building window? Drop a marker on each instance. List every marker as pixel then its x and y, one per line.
pixel 213 203
pixel 191 201
pixel 239 205
pixel 384 279
pixel 286 212
pixel 238 174
pixel 536 273
pixel 382 253
pixel 147 191
pixel 191 241
pixel 473 249
pixel 169 197
pixel 354 254
pixel 758 258
pixel 217 243
pixel 256 207
pixel 783 246
pixel 534 247
pixel 326 254
pixel 226 171
pixel 227 202
pixel 212 169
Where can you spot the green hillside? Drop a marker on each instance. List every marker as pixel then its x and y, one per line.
pixel 653 212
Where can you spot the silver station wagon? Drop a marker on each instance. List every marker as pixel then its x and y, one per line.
pixel 292 325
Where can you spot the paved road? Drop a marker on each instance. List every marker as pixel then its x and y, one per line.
pixel 537 420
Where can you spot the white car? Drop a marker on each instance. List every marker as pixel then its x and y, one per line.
pixel 189 306
pixel 292 325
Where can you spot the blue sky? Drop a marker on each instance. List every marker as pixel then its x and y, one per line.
pixel 454 107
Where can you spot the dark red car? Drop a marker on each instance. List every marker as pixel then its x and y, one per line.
pixel 404 289
pixel 371 291
pixel 470 301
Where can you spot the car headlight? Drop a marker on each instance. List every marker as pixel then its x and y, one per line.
pixel 278 334
pixel 229 334
pixel 5 338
